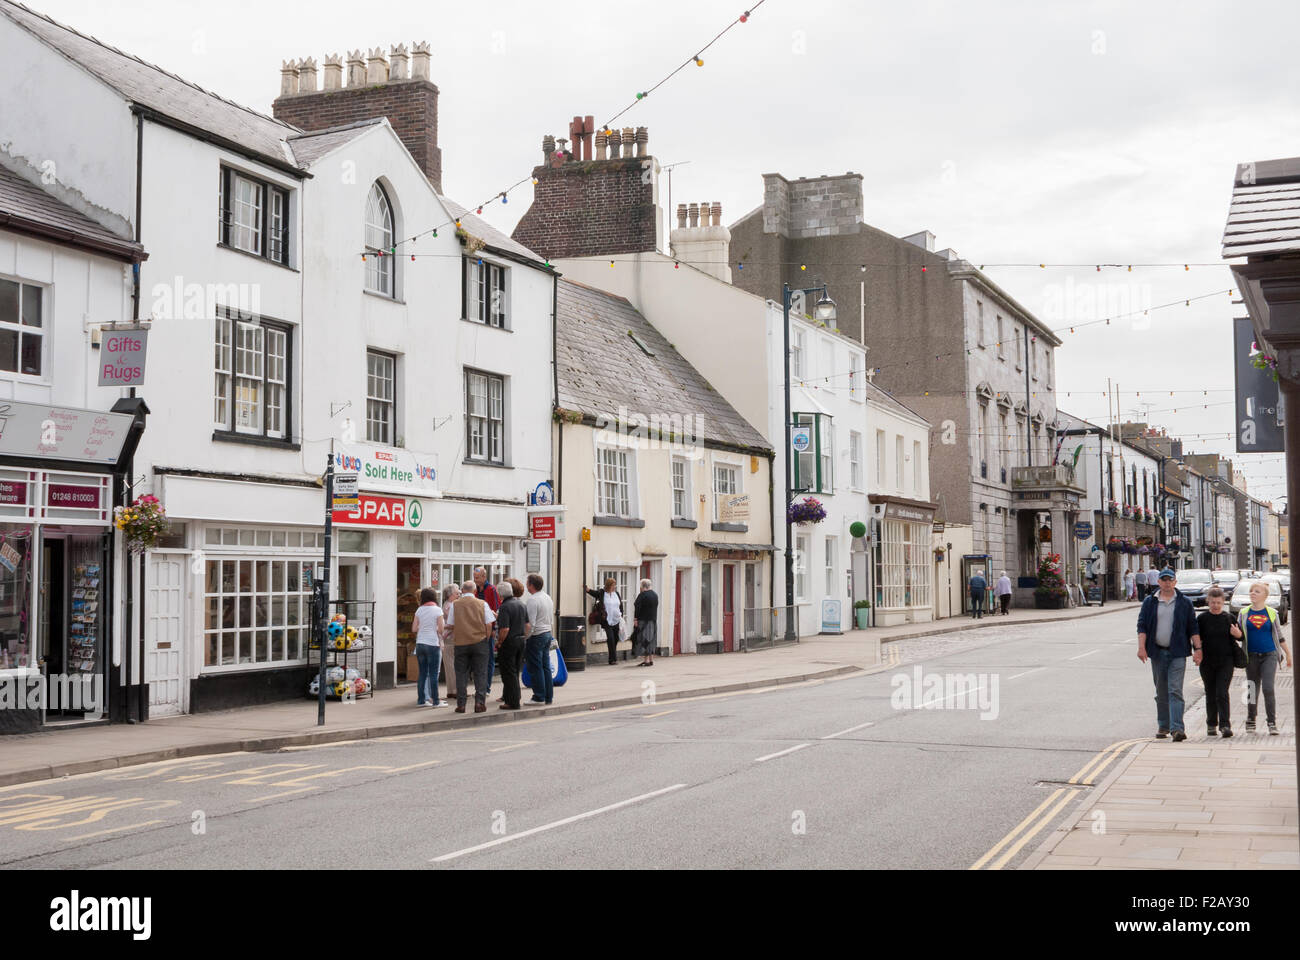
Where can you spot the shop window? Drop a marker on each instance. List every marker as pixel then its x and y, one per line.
pixel 410 543
pixel 892 559
pixel 15 598
pixel 256 611
pixel 353 541
pixel 22 333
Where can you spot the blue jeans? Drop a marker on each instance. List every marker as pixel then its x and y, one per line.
pixel 1167 671
pixel 429 658
pixel 492 660
pixel 539 667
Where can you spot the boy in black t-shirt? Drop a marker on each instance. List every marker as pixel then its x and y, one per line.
pixel 1219 633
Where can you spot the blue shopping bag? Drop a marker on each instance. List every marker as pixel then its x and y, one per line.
pixel 559 672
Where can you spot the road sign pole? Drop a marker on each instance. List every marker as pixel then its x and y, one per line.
pixel 325 605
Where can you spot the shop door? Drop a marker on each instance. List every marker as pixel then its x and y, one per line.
pixel 728 607
pixel 165 634
pixel 678 596
pixel 51 613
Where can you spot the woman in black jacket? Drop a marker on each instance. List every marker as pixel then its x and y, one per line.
pixel 645 624
pixel 609 607
pixel 1219 634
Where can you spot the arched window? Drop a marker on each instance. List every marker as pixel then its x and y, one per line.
pixel 379 242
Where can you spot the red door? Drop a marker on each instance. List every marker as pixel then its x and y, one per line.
pixel 728 607
pixel 677 614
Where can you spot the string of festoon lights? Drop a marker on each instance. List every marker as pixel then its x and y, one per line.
pixel 503 196
pixel 828 379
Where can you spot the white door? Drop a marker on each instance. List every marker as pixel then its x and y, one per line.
pixel 165 634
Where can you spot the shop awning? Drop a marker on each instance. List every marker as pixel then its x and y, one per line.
pixel 711 545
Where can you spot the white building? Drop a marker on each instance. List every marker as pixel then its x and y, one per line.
pixel 63 455
pixel 272 338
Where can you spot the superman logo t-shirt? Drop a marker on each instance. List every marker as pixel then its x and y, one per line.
pixel 1259 631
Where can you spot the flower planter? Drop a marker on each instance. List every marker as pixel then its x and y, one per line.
pixel 863 616
pixel 1048 603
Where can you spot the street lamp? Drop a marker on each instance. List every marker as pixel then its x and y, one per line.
pixel 824 311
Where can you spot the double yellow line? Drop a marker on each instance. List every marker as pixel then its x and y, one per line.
pixel 1010 845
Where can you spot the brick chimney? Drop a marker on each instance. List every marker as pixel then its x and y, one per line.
pixel 589 203
pixel 704 243
pixel 376 87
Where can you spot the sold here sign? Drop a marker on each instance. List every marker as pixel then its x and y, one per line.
pixel 376 511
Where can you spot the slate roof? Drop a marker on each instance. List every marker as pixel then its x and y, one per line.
pixel 887 400
pixel 1264 216
pixel 150 86
pixel 600 368
pixel 311 146
pixel 489 234
pixel 27 208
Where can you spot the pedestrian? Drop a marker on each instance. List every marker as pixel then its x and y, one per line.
pixel 450 594
pixel 977 587
pixel 610 608
pixel 471 621
pixel 512 627
pixel 1265 646
pixel 488 593
pixel 427 627
pixel 541 613
pixel 1219 635
pixel 645 624
pixel 1130 585
pixel 1004 593
pixel 1167 637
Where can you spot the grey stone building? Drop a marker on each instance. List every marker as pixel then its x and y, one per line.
pixel 945 340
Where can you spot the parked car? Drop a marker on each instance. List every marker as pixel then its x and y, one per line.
pixel 1194 584
pixel 1277 598
pixel 1227 579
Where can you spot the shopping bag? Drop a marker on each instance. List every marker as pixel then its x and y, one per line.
pixel 559 672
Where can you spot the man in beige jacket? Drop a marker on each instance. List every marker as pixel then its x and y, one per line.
pixel 470 619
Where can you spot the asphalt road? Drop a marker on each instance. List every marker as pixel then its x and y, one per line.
pixel 884 770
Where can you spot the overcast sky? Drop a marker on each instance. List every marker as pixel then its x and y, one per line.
pixel 1102 132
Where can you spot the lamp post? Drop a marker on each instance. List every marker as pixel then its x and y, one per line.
pixel 824 311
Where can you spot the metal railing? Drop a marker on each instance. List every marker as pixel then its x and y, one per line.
pixel 765 627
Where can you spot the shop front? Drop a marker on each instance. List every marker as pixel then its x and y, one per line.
pixel 904 561
pixel 57 572
pixel 734 608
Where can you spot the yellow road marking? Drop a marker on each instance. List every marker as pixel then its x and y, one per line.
pixel 1015 830
pixel 651 716
pixel 1101 760
pixel 100 833
pixel 1048 818
pixel 513 746
pixel 283 793
pixel 603 726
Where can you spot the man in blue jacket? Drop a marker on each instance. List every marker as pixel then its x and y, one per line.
pixel 1167 636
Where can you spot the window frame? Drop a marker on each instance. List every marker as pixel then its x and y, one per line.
pixel 686 512
pixel 821 454
pixel 268 191
pixel 881 454
pixel 490 379
pixel 391 401
pixel 798 354
pixel 269 329
pixel 856 473
pixel 623 495
pixel 737 483
pixel 477 276
pixel 23 330
pixel 900 466
pixel 380 253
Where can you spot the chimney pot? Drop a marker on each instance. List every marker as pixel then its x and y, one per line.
pixel 681 216
pixel 398 59
pixel 642 138
pixel 376 66
pixel 706 215
pixel 548 148
pixel 307 75
pixel 333 71
pixel 717 213
pixel 356 68
pixel 602 145
pixel 693 214
pixel 420 60
pixel 615 144
pixel 288 78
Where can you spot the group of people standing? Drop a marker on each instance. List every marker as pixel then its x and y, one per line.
pixel 607 613
pixel 978 587
pixel 1137 586
pixel 484 624
pixel 1170 631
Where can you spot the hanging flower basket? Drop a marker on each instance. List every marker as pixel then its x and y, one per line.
pixel 1143 551
pixel 1263 361
pixel 939 553
pixel 142 523
pixel 1114 545
pixel 1128 510
pixel 806 511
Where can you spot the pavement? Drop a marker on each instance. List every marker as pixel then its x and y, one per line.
pixel 55 753
pixel 1203 804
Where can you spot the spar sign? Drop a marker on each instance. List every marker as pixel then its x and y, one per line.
pixel 376 511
